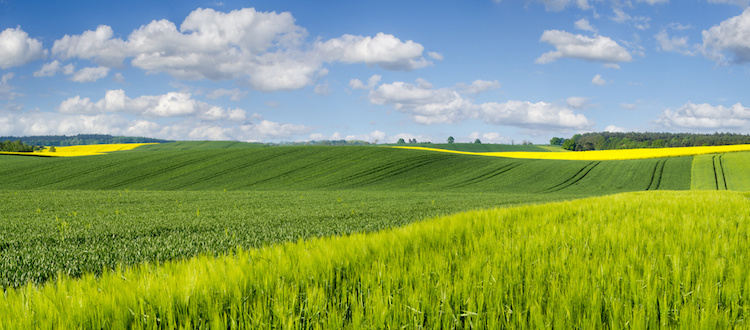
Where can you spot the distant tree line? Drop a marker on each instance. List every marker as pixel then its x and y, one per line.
pixel 15 146
pixel 325 143
pixel 633 140
pixel 80 139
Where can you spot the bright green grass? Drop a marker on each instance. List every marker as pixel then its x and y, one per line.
pixel 636 260
pixel 332 168
pixel 721 171
pixel 77 232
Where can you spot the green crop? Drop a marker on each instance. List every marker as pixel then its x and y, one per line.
pixel 640 260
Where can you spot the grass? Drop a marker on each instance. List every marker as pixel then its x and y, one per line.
pixel 640 260
pixel 479 147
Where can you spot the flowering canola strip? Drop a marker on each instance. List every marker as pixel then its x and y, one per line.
pixel 621 154
pixel 84 150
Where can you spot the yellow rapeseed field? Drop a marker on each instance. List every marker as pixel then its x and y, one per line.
pixel 86 150
pixel 603 154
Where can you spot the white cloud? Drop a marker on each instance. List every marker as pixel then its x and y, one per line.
pixel 492 137
pixel 614 129
pixel 628 106
pixel 583 24
pixel 426 105
pixel 706 116
pixel 173 104
pixel 49 69
pixel 478 86
pixel 672 44
pixel 383 50
pixel 568 45
pixel 97 45
pixel 16 48
pixel 6 90
pixel 37 123
pixel 577 102
pixel 265 49
pixel 435 56
pixel 322 89
pixel 371 83
pixel 540 115
pixel 639 22
pixel 234 94
pixel 654 2
pixel 559 5
pixel 620 16
pixel 729 42
pixel 598 80
pixel 90 74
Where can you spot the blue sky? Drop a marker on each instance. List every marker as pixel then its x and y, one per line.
pixel 280 70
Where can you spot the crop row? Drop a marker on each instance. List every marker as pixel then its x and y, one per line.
pixel 368 168
pixel 635 260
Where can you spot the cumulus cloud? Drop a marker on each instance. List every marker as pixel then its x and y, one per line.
pixel 614 129
pixel 598 80
pixel 577 102
pixel 568 45
pixel 729 42
pixel 383 50
pixel 478 86
pixel 428 105
pixel 90 74
pixel 639 22
pixel 173 104
pixel 706 116
pixel 492 137
pixel 583 24
pixel 17 48
pixel 233 94
pixel 265 49
pixel 672 44
pixel 371 82
pixel 37 123
pixel 424 104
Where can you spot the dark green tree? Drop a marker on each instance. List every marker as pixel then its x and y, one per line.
pixel 477 141
pixel 401 141
pixel 450 139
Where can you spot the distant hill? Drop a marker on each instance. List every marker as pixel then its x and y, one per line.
pixel 633 140
pixel 80 139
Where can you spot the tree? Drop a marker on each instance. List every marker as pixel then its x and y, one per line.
pixel 52 149
pixel 401 141
pixel 450 139
pixel 477 141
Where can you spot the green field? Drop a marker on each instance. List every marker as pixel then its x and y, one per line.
pixel 68 218
pixel 640 260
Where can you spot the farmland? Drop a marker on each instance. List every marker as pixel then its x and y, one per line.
pixel 643 259
pixel 180 208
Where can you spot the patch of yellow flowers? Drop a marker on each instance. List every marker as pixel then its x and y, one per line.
pixel 85 150
pixel 603 154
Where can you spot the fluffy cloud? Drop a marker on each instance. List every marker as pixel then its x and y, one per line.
pixel 577 102
pixel 371 83
pixel 583 24
pixel 478 86
pixel 383 50
pixel 673 44
pixel 16 48
pixel 426 105
pixel 614 129
pixel 729 42
pixel 38 123
pixel 706 116
pixel 90 74
pixel 173 104
pixel 265 49
pixel 492 137
pixel 598 80
pixel 568 45
pixel 639 22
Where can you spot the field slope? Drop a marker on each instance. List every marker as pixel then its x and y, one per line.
pixel 641 260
